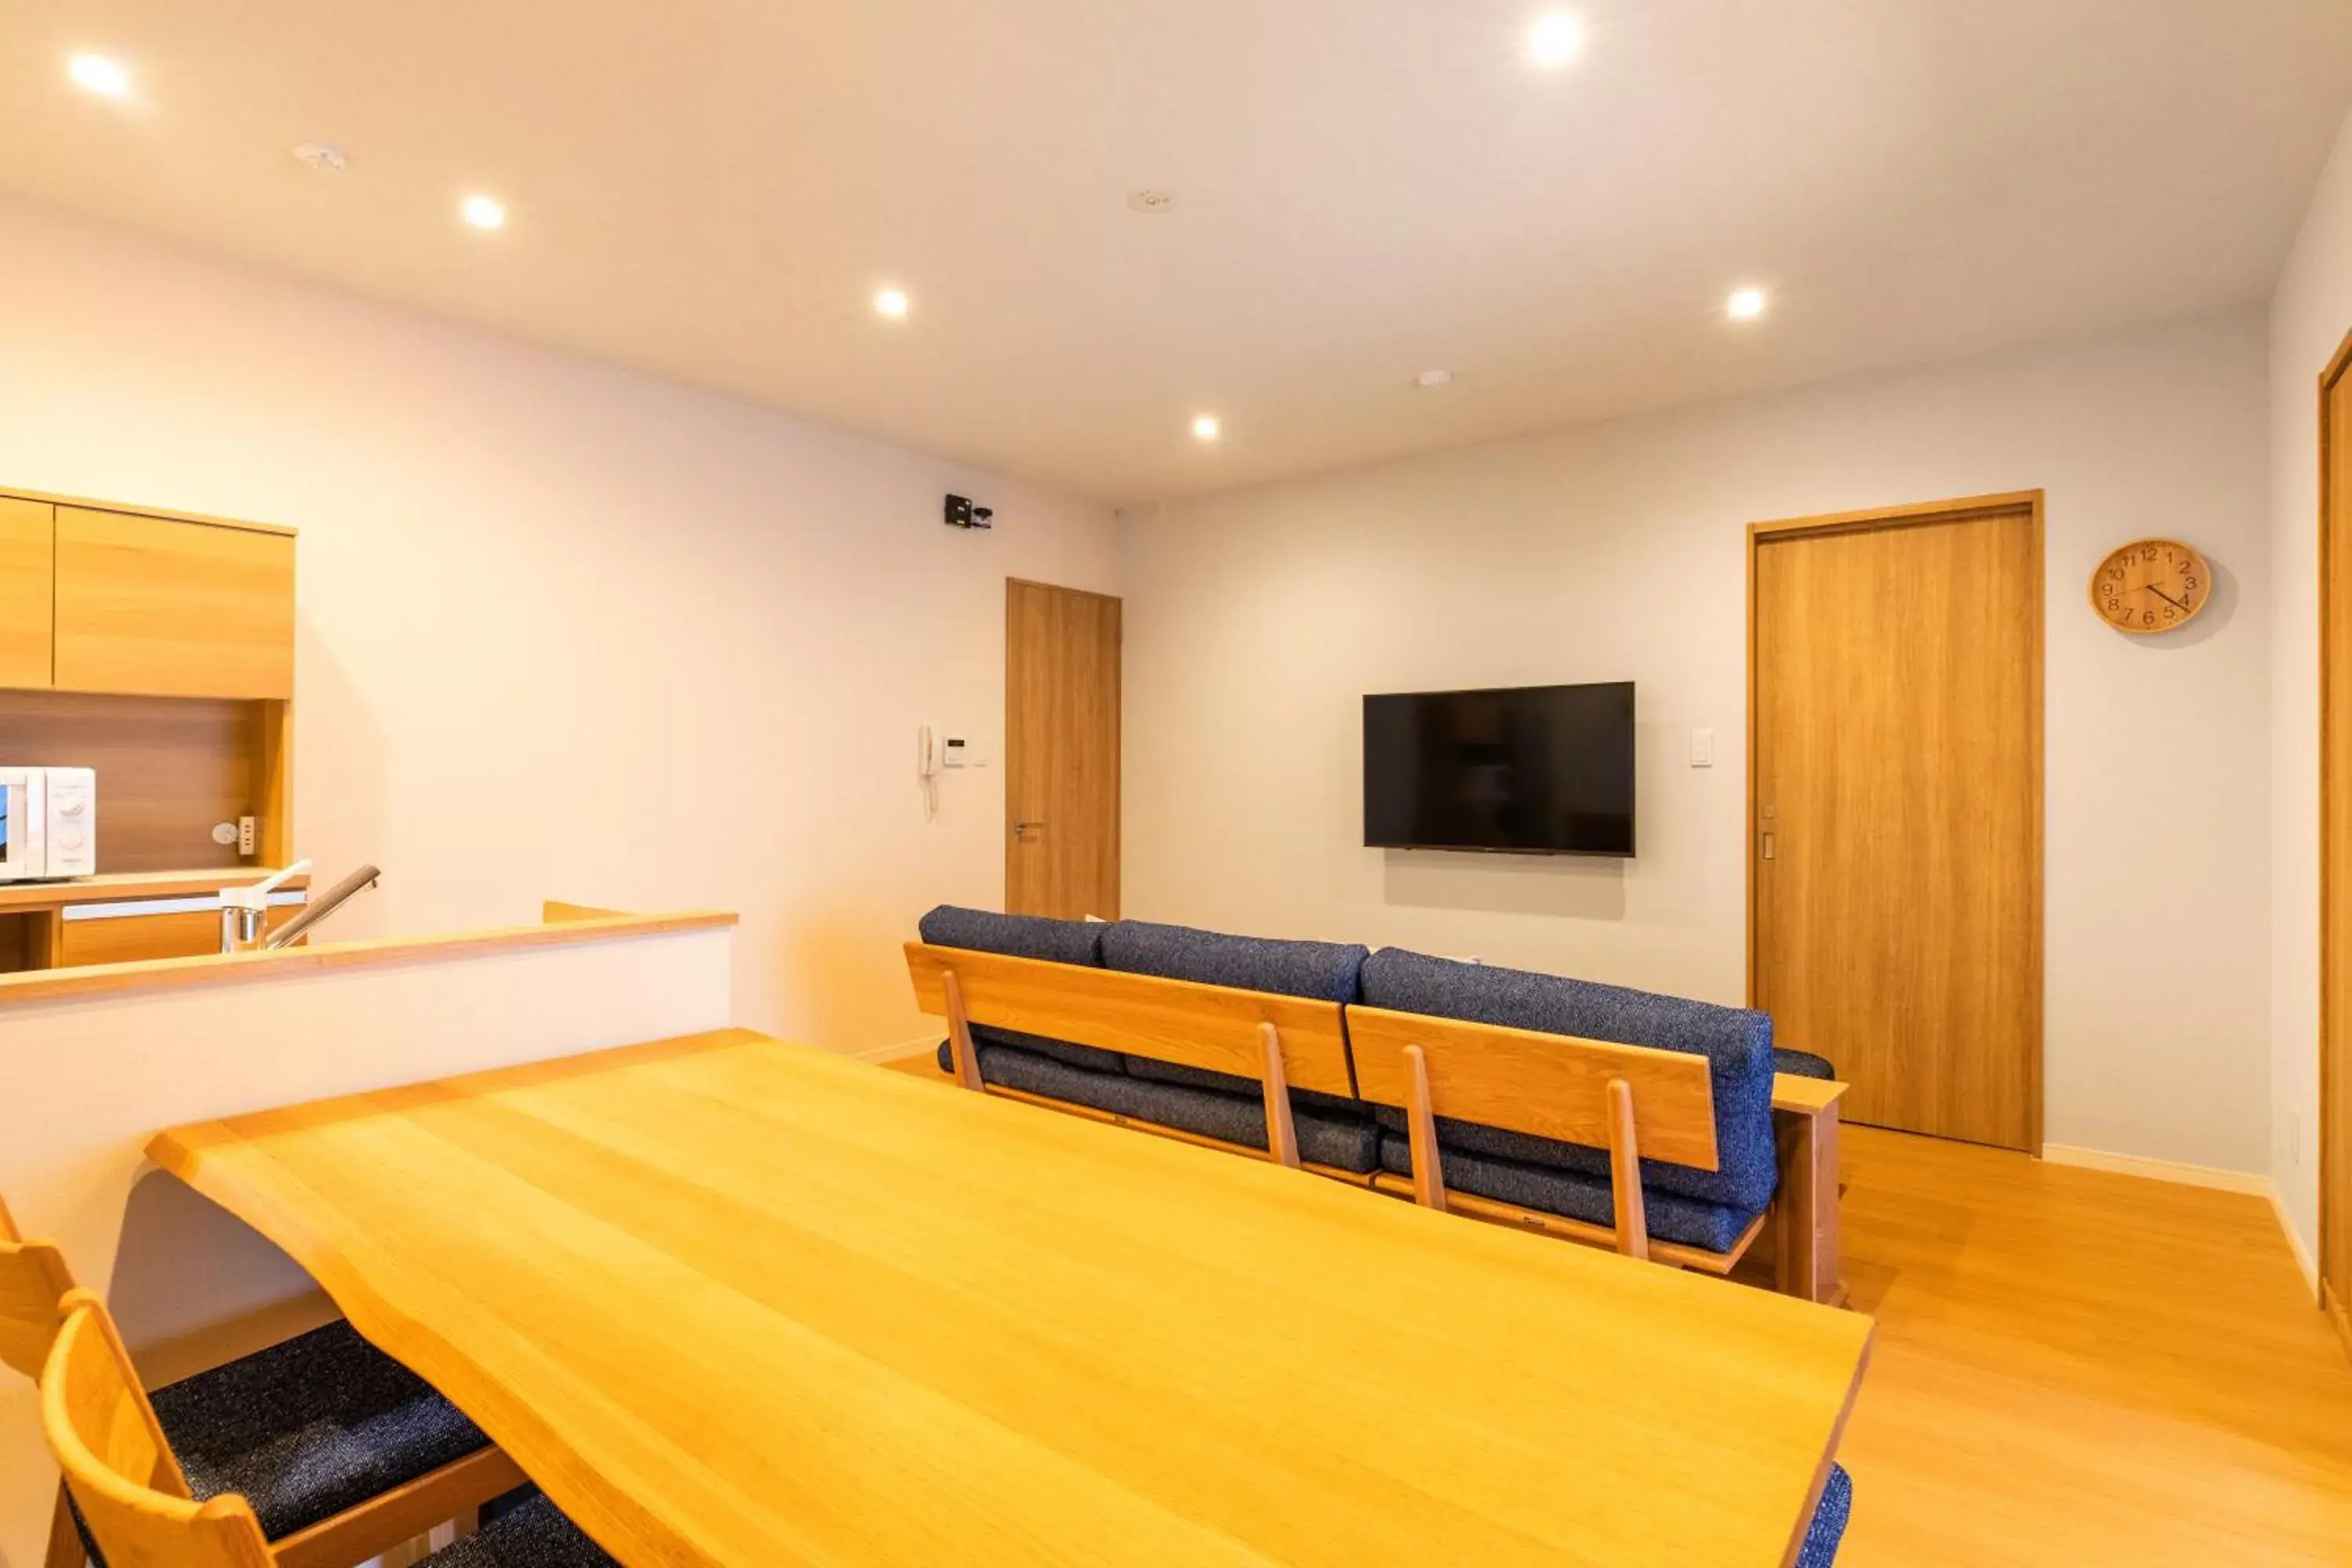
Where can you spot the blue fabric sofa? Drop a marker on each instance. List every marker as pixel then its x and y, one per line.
pixel 1706 1209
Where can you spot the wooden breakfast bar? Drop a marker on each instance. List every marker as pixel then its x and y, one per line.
pixel 734 1301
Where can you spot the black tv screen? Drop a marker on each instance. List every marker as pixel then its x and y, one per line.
pixel 1545 770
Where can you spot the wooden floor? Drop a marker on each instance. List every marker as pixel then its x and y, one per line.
pixel 2074 1368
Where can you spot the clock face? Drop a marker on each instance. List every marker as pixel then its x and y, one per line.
pixel 2151 585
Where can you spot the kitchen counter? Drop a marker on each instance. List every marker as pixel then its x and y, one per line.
pixel 240 968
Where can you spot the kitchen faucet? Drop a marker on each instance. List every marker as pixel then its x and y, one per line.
pixel 319 908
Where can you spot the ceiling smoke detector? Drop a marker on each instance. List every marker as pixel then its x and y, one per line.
pixel 1151 202
pixel 319 156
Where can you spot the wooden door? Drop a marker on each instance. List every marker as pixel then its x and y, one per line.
pixel 164 608
pixel 1895 809
pixel 27 588
pixel 1061 752
pixel 2336 837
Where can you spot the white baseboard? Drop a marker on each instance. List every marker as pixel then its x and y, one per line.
pixel 2187 1176
pixel 2172 1171
pixel 2303 1259
pixel 902 1049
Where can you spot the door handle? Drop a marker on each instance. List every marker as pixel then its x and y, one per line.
pixel 1026 826
pixel 1767 847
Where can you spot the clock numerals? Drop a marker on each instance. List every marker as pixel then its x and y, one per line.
pixel 2150 585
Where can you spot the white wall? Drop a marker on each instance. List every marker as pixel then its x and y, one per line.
pixel 2310 314
pixel 1255 620
pixel 564 631
pixel 86 1081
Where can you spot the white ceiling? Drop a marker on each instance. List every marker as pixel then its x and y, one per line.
pixel 714 189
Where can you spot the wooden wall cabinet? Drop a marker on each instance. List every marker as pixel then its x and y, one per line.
pixel 157 648
pixel 159 606
pixel 27 589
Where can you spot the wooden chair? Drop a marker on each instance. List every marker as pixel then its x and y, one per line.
pixel 1281 1042
pixel 120 1470
pixel 233 1400
pixel 1628 1100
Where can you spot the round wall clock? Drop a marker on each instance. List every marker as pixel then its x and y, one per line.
pixel 2150 585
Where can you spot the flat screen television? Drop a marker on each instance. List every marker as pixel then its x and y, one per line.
pixel 1534 770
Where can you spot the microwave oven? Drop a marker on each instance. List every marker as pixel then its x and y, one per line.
pixel 48 823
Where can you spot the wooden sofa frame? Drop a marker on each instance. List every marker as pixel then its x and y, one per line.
pixel 1280 1041
pixel 1358 1052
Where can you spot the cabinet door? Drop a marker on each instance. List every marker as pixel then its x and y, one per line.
pixel 125 933
pixel 172 609
pixel 28 575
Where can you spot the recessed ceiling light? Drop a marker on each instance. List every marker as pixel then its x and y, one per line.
pixel 892 303
pixel 1205 426
pixel 1555 39
pixel 96 73
pixel 485 212
pixel 1433 380
pixel 1745 304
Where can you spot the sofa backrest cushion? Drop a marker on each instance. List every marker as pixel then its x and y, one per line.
pixel 1026 936
pixel 1319 971
pixel 1737 1044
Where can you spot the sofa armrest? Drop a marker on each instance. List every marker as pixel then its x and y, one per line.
pixel 1805 1121
pixel 1805 1095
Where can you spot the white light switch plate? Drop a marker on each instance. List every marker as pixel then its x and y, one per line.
pixel 1702 748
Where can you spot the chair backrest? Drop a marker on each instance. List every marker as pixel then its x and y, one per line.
pixel 1550 1086
pixel 120 1469
pixel 33 1279
pixel 1280 1041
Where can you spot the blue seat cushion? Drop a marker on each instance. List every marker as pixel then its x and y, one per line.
pixel 1828 1529
pixel 1737 1043
pixel 1801 1064
pixel 1344 1138
pixel 530 1533
pixel 1552 1190
pixel 1023 936
pixel 311 1427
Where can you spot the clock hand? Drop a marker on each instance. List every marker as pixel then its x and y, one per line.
pixel 2166 597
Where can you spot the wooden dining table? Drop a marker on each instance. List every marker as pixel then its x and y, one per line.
pixel 734 1301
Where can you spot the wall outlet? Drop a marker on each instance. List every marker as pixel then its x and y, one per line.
pixel 1702 748
pixel 245 835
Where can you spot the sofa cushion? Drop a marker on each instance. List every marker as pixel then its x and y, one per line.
pixel 1318 971
pixel 1575 1194
pixel 1346 1139
pixel 1830 1515
pixel 1801 1064
pixel 1737 1043
pixel 1025 936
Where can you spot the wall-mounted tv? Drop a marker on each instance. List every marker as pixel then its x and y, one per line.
pixel 1534 770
